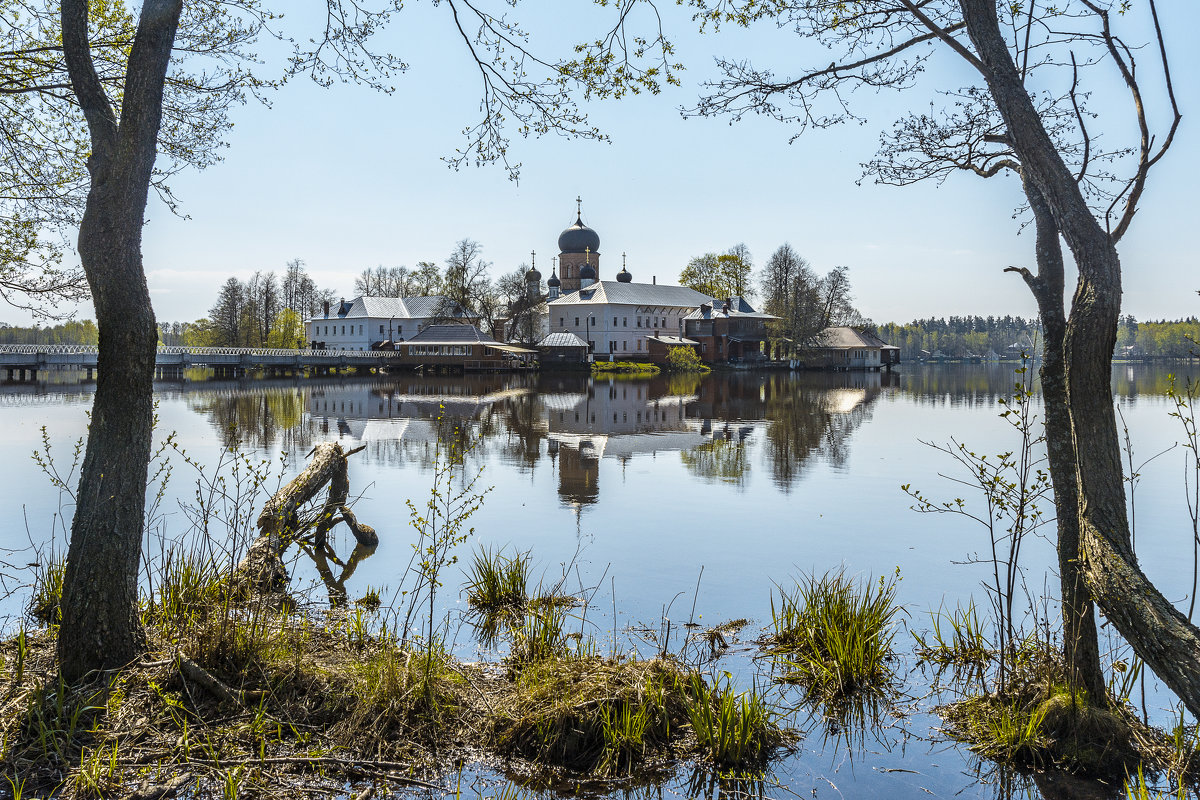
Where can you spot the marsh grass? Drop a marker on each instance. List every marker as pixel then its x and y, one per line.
pixel 190 589
pixel 626 367
pixel 497 582
pixel 955 639
pixel 733 729
pixel 832 635
pixel 46 594
pixel 1039 722
pixel 591 713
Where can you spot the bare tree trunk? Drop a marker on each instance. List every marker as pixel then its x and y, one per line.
pixel 100 627
pixel 1158 632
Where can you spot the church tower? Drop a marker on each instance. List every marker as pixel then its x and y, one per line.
pixel 579 254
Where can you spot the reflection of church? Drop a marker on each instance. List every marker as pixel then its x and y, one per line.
pixel 613 419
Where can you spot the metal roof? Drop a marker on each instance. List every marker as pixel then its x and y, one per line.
pixel 634 294
pixel 395 307
pixel 452 334
pixel 738 307
pixel 671 340
pixel 562 339
pixel 843 336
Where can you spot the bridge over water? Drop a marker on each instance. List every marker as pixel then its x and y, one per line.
pixel 25 361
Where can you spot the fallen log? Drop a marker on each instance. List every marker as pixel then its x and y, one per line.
pixel 262 571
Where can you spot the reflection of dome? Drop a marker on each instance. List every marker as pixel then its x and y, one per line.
pixel 578 238
pixel 554 281
pixel 587 273
pixel 623 276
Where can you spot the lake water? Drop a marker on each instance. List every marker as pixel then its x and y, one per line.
pixel 646 489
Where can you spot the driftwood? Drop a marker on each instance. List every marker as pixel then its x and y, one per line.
pixel 279 525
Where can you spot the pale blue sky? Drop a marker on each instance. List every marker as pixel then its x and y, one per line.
pixel 346 179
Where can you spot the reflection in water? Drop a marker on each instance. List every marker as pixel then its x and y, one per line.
pixel 323 554
pixel 724 426
pixel 719 424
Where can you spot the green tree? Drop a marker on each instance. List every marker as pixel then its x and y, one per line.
pixel 721 276
pixel 287 331
pixel 201 333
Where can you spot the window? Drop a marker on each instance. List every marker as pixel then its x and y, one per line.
pixel 343 330
pixel 639 344
pixel 381 330
pixel 614 322
pixel 360 330
pixel 624 322
pixel 561 322
pixel 577 322
pixel 591 320
pixel 612 347
pixel 639 322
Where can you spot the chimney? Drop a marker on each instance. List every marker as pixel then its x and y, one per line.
pixel 326 304
pixel 654 279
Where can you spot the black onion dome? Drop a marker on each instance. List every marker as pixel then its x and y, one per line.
pixel 578 238
pixel 623 276
pixel 533 275
pixel 554 281
pixel 587 272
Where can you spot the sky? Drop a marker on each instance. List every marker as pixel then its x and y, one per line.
pixel 347 179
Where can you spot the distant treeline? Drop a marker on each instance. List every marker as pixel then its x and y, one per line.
pixel 965 337
pixel 71 332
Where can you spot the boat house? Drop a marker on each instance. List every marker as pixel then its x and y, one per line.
pixel 462 347
pixel 843 347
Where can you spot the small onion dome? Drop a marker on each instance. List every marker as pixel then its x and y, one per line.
pixel 623 276
pixel 533 276
pixel 587 273
pixel 578 238
pixel 554 281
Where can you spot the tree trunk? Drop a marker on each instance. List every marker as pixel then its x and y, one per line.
pixel 100 627
pixel 1158 632
pixel 1081 647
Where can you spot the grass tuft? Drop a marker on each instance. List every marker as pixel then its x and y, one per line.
pixel 734 730
pixel 833 635
pixel 46 594
pixel 955 640
pixel 591 713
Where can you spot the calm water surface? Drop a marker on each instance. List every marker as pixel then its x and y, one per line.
pixel 643 488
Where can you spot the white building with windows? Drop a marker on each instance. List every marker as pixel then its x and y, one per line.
pixel 367 323
pixel 616 317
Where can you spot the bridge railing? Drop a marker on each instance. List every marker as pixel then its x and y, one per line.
pixel 85 349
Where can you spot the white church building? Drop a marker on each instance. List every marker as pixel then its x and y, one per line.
pixel 615 317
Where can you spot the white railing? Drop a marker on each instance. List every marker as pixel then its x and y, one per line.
pixel 87 349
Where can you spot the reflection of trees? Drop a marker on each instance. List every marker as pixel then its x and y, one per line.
pixel 724 459
pixel 256 415
pixel 813 415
